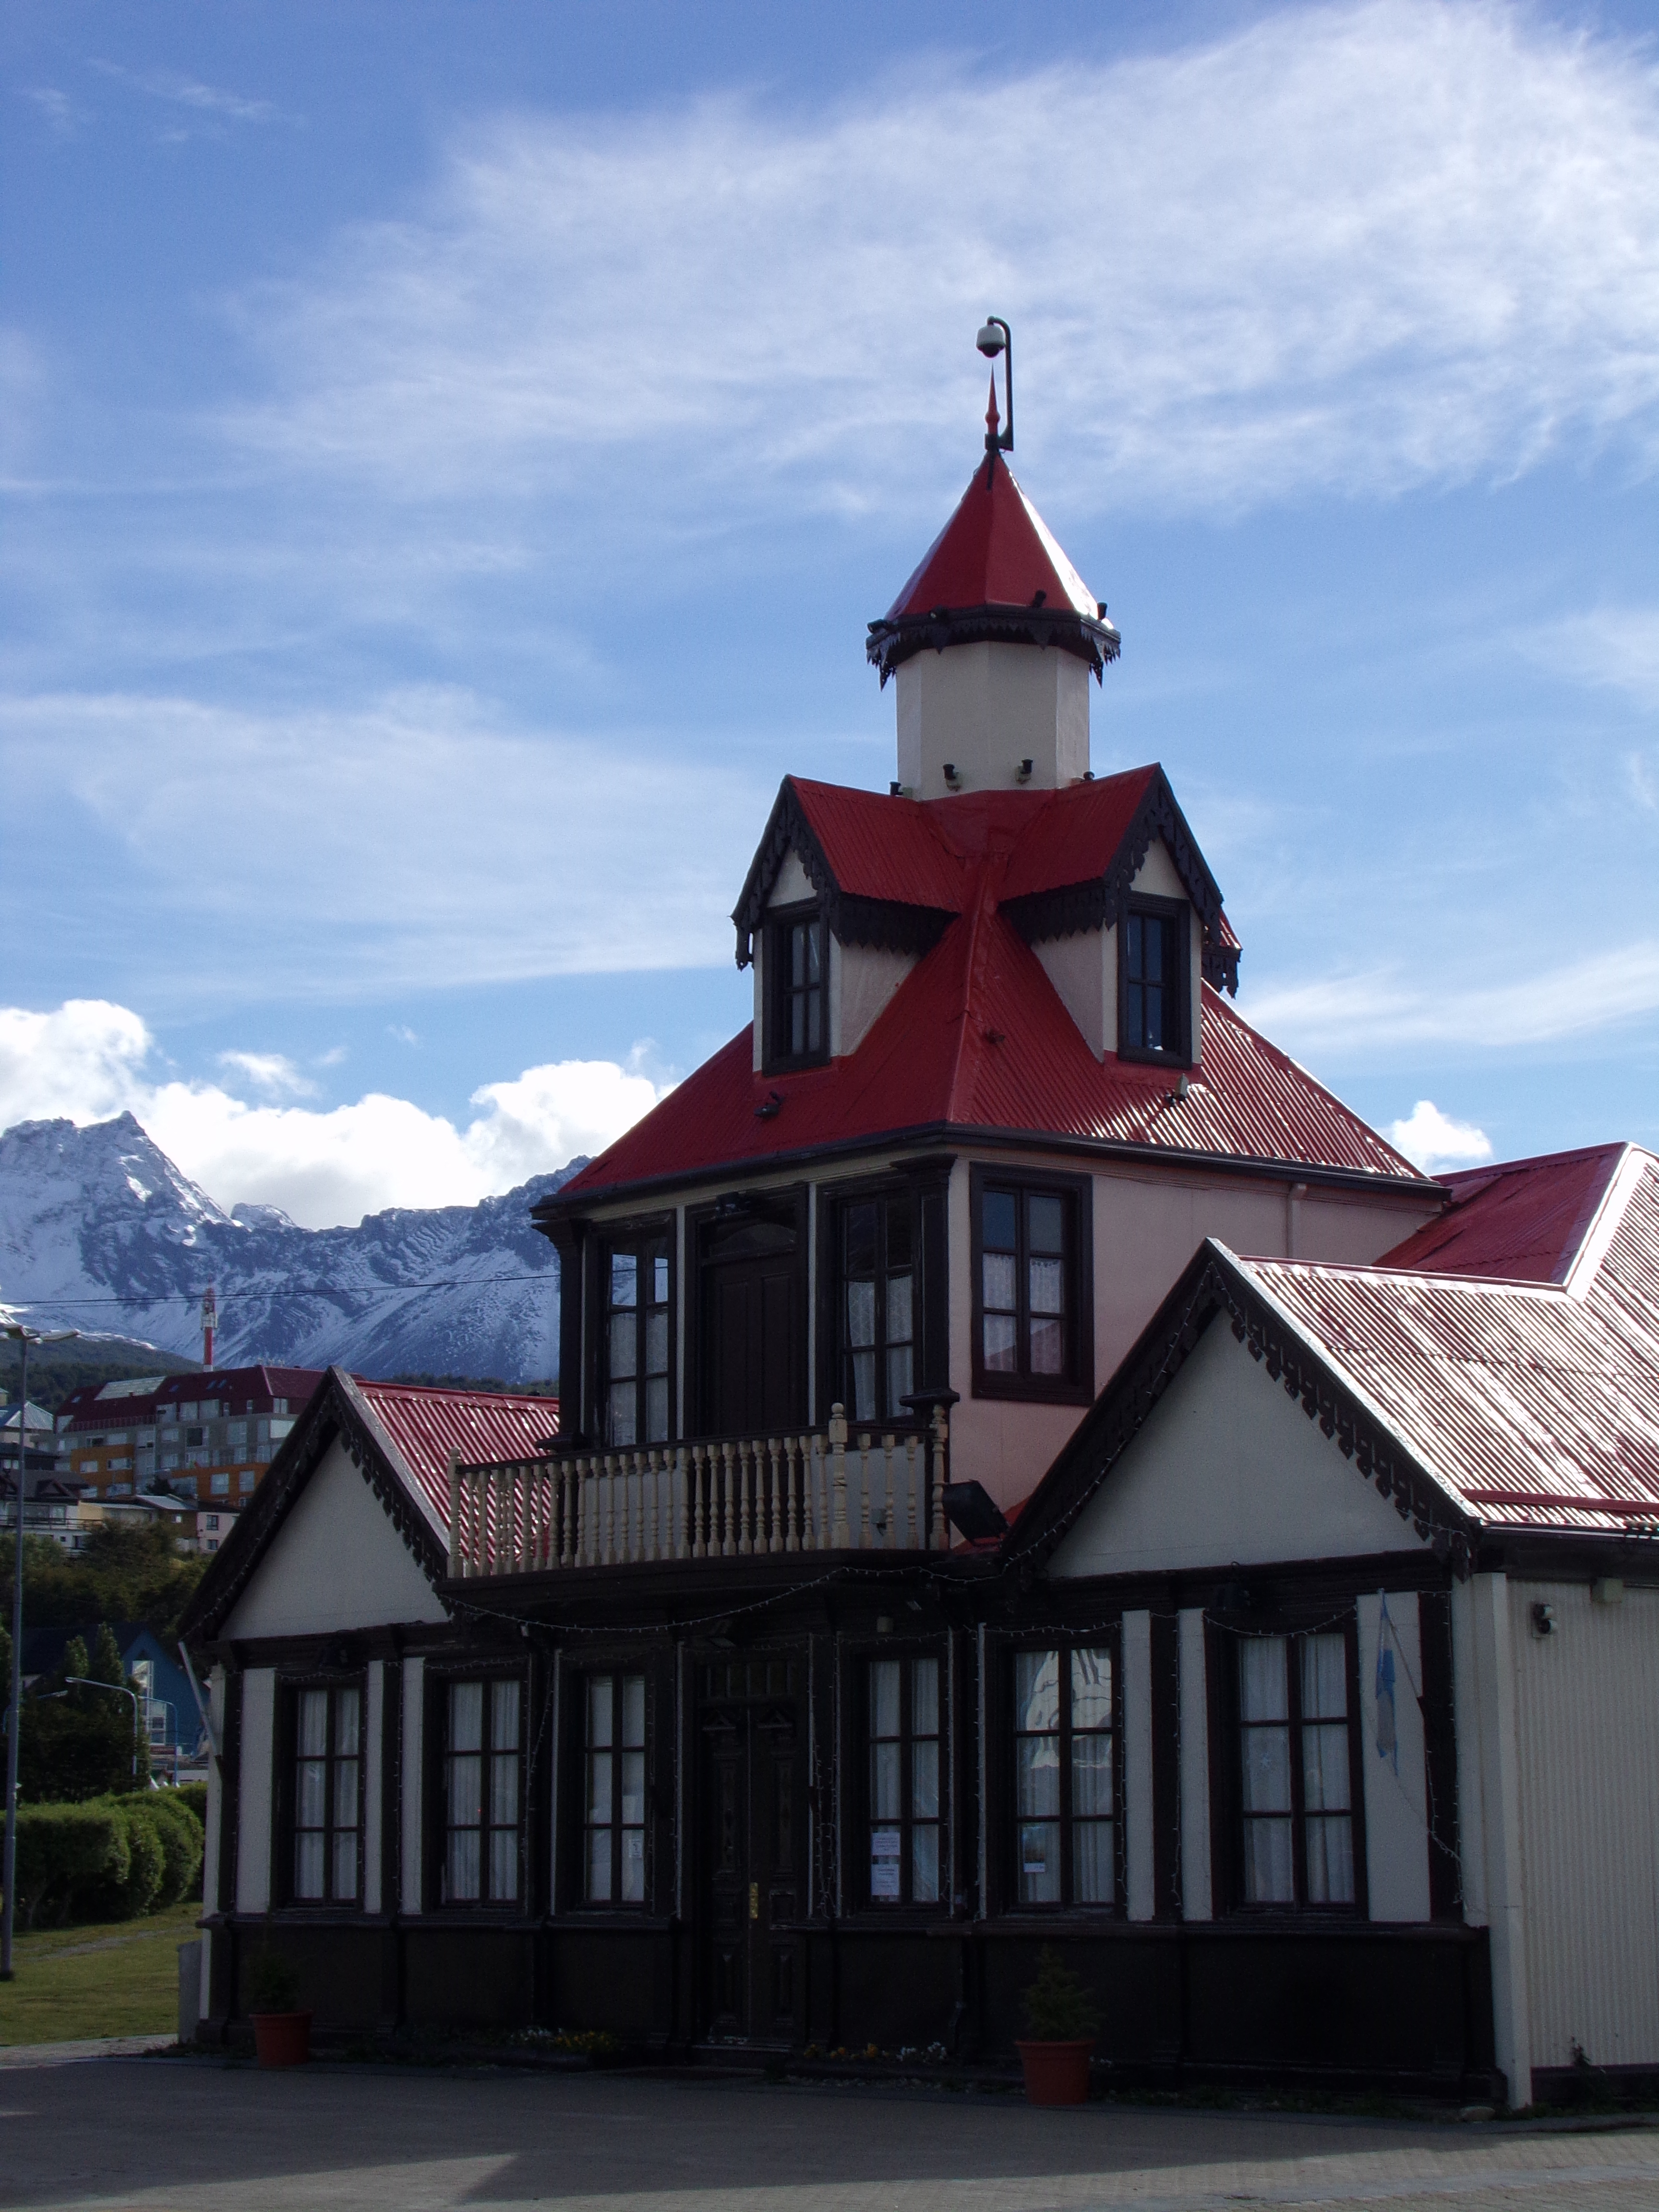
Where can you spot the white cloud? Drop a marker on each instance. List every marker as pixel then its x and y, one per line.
pixel 1435 1142
pixel 414 841
pixel 87 1062
pixel 181 91
pixel 1616 648
pixel 1360 1014
pixel 269 1071
pixel 1354 248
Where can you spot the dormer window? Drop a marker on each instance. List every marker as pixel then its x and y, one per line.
pixel 797 972
pixel 1153 1014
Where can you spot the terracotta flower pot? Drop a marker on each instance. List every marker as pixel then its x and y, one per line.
pixel 1056 2073
pixel 282 2038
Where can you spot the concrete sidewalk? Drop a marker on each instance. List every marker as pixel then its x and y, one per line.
pixel 199 2137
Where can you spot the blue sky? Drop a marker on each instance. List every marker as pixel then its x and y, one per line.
pixel 453 451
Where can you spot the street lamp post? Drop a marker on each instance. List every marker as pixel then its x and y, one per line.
pixel 22 1336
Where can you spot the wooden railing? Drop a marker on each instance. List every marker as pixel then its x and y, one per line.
pixel 726 1498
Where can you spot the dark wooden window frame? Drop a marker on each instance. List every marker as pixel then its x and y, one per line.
pixel 291 1688
pixel 1179 1055
pixel 1005 1770
pixel 905 1654
pixel 577 1680
pixel 1226 1783
pixel 585 1339
pixel 927 1178
pixel 1076 1386
pixel 440 1679
pixel 610 1237
pixel 777 1057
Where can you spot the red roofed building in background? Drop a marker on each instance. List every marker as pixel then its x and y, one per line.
pixel 950 1544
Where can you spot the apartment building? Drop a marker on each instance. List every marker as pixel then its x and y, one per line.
pixel 207 1436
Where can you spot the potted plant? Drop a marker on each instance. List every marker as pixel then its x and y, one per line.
pixel 1063 2023
pixel 282 2033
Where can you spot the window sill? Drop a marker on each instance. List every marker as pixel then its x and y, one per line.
pixel 1145 1056
pixel 1021 1389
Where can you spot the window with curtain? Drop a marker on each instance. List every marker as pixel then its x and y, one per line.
pixel 327 1794
pixel 906 1768
pixel 482 1757
pixel 1296 1765
pixel 797 972
pixel 1152 981
pixel 636 1341
pixel 1066 1839
pixel 878 1306
pixel 613 1791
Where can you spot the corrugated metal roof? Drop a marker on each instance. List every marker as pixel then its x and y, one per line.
pixel 1534 1404
pixel 1522 1219
pixel 85 1405
pixel 977 1037
pixel 420 1428
pixel 1077 834
pixel 892 849
pixel 995 550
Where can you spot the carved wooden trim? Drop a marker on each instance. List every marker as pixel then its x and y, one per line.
pixel 885 924
pixel 1070 908
pixel 1094 640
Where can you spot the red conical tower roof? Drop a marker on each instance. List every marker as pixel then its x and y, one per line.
pixel 994 571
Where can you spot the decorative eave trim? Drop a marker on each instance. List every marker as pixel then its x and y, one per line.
pixel 335 1412
pixel 890 643
pixel 886 924
pixel 1069 909
pixel 1214 1284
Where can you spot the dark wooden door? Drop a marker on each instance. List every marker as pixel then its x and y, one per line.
pixel 753 1363
pixel 754 1790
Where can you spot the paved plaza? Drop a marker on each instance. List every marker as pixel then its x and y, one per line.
pixel 135 2132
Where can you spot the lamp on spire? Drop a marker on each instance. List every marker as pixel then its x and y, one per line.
pixel 995 339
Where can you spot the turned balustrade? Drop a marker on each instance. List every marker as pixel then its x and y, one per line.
pixel 723 1498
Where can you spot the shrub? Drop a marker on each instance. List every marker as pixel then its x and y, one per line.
pixel 66 1852
pixel 193 1793
pixel 1057 2008
pixel 140 1888
pixel 180 1833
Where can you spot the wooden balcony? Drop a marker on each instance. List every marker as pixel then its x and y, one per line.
pixel 723 1498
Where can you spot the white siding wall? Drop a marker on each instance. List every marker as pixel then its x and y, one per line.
pixel 1195 1900
pixel 254 1799
pixel 1486 1743
pixel 414 1756
pixel 1586 1743
pixel 1396 1804
pixel 336 1563
pixel 1139 1881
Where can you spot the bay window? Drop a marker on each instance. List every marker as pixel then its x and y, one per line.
pixel 1065 1778
pixel 905 1745
pixel 1297 1761
pixel 483 1754
pixel 327 1794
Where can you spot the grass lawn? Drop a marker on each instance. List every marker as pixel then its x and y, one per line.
pixel 117 1980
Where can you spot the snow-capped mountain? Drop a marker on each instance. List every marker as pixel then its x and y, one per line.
pixel 92 1215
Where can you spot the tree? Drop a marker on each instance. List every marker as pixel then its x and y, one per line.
pixel 105 1665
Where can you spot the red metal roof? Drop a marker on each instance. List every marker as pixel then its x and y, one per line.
pixel 1534 1405
pixel 1525 1220
pixel 85 1407
pixel 418 1429
pixel 977 1037
pixel 898 850
pixel 1078 833
pixel 995 550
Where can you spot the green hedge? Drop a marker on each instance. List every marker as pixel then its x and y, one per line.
pixel 106 1858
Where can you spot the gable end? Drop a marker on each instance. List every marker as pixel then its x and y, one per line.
pixel 1212 1287
pixel 885 926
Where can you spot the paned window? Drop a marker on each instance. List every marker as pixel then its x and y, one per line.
pixel 1028 1292
pixel 1152 1000
pixel 878 1306
pixel 1063 1789
pixel 1296 1757
pixel 798 969
pixel 636 1343
pixel 482 1792
pixel 613 1797
pixel 905 1767
pixel 327 1794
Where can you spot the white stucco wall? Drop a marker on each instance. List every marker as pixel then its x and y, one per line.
pixel 1083 969
pixel 985 708
pixel 336 1563
pixel 254 1806
pixel 1587 1774
pixel 413 1755
pixel 862 982
pixel 1228 1471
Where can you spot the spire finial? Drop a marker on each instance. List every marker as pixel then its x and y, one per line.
pixel 992 440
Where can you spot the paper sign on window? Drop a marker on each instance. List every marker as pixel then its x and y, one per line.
pixel 884 1863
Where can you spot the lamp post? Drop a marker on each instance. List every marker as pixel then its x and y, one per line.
pixel 22 1336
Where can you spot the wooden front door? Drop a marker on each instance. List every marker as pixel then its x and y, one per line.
pixel 755 1850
